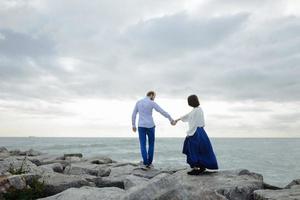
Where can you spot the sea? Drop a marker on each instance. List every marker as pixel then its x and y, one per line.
pixel 277 159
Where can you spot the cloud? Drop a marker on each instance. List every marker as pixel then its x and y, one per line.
pixel 56 51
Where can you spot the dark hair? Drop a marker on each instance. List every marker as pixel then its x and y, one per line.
pixel 193 101
pixel 150 93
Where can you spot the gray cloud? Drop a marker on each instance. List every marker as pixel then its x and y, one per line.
pixel 225 57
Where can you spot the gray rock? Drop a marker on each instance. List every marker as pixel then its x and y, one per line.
pixel 120 170
pixel 14 164
pixel 110 182
pixel 30 152
pixel 211 185
pixel 56 182
pixel 100 160
pixel 89 193
pixel 271 187
pixel 294 182
pixel 87 168
pixel 150 173
pixel 3 150
pixel 284 194
pixel 45 159
pixel 17 182
pixel 79 155
pixel 54 167
pixel 132 181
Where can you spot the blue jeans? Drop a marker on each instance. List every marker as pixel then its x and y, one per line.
pixel 143 133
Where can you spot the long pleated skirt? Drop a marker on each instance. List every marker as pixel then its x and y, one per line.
pixel 199 151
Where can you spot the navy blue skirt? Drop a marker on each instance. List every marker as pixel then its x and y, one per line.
pixel 199 151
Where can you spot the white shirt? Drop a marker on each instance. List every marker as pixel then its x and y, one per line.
pixel 145 107
pixel 195 119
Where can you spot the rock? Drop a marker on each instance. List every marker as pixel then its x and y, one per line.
pixel 150 173
pixel 211 185
pixel 17 181
pixel 30 152
pixel 294 182
pixel 132 181
pixel 79 155
pixel 110 182
pixel 12 164
pixel 4 155
pixel 100 160
pixel 120 170
pixel 73 159
pixel 55 182
pixel 15 152
pixel 89 193
pixel 284 194
pixel 45 159
pixel 87 168
pixel 271 187
pixel 3 150
pixel 54 167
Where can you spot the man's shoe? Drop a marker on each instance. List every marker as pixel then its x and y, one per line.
pixel 142 165
pixel 150 166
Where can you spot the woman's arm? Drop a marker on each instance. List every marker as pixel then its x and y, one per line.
pixel 184 118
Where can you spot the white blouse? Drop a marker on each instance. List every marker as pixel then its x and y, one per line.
pixel 195 119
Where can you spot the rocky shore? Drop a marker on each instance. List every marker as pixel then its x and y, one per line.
pixel 35 175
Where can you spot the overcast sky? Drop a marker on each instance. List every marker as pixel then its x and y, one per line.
pixel 75 68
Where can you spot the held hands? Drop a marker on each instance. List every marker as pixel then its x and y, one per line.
pixel 174 122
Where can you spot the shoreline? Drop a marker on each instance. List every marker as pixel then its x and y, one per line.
pixel 100 177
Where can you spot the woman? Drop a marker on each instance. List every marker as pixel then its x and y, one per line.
pixel 197 147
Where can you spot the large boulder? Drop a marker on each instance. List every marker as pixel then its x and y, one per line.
pixel 16 182
pixel 54 167
pixel 45 159
pixel 56 182
pixel 284 194
pixel 30 152
pixel 149 173
pixel 222 185
pixel 87 168
pixel 14 165
pixel 133 181
pixel 100 160
pixel 122 169
pixel 4 153
pixel 89 193
pixel 294 182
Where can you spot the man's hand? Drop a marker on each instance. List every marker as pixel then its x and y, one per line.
pixel 134 129
pixel 173 122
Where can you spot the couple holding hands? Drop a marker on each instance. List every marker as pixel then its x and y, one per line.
pixel 197 146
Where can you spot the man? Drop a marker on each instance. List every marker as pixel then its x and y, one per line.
pixel 146 126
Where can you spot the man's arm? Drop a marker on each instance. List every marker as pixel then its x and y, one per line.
pixel 161 111
pixel 133 117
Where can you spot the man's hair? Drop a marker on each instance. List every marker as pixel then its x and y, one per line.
pixel 150 93
pixel 193 101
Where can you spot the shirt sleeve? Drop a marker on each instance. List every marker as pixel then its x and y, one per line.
pixel 185 118
pixel 161 111
pixel 134 113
